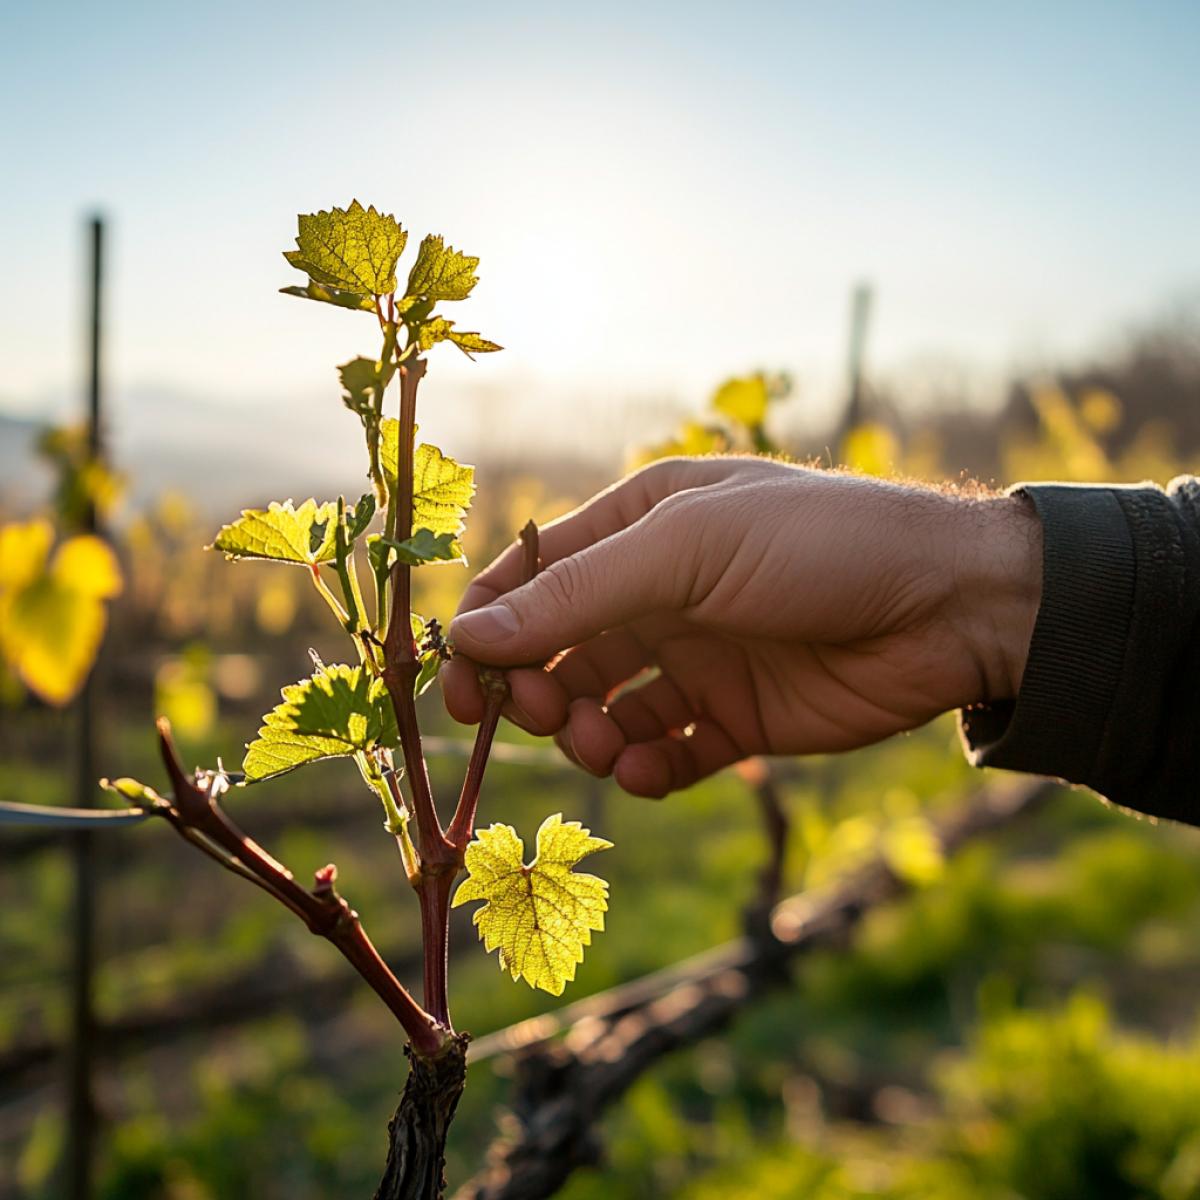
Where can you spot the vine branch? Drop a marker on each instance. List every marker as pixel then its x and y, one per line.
pixel 195 813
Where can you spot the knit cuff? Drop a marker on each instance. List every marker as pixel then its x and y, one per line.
pixel 1056 724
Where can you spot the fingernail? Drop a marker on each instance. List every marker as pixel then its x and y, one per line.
pixel 491 624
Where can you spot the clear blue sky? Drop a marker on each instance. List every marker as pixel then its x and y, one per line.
pixel 660 193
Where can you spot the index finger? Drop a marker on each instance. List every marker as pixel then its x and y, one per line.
pixel 606 513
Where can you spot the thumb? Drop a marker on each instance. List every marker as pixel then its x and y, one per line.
pixel 609 583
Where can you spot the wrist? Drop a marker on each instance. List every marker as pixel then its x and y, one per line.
pixel 997 590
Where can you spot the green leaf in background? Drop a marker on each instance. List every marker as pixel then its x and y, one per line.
pixel 327 295
pixel 281 533
pixel 52 612
pixel 439 329
pixel 440 272
pixel 743 400
pixel 541 916
pixel 692 439
pixel 339 711
pixel 354 249
pixel 184 692
pixel 442 488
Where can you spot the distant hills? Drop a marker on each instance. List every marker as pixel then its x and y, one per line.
pixel 225 454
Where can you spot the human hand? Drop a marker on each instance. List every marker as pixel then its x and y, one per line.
pixel 783 610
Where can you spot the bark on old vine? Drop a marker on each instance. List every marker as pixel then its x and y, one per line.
pixel 416 1162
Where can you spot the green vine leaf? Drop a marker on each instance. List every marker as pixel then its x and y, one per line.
pixel 359 517
pixel 362 379
pixel 431 664
pixel 339 711
pixel 425 546
pixel 472 343
pixel 541 916
pixel 353 249
pixel 422 548
pixel 327 295
pixel 283 533
pixel 442 488
pixel 439 329
pixel 441 272
pixel 431 660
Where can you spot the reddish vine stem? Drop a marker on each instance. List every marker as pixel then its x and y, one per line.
pixel 399 647
pixel 495 693
pixel 433 893
pixel 195 813
pixel 439 862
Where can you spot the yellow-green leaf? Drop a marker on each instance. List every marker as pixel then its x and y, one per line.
pixel 24 549
pixel 871 449
pixel 441 272
pixel 183 692
pixel 914 851
pixel 439 329
pixel 330 295
pixel 339 711
pixel 88 566
pixel 743 400
pixel 442 488
pixel 52 615
pixel 693 439
pixel 471 343
pixel 281 533
pixel 541 916
pixel 354 249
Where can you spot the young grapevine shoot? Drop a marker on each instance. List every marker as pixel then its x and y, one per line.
pixel 539 916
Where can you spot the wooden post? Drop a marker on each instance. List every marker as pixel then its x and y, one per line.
pixel 860 315
pixel 81 1112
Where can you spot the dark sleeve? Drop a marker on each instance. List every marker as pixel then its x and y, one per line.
pixel 1110 697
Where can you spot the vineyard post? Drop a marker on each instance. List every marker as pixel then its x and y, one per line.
pixel 80 1100
pixel 860 316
